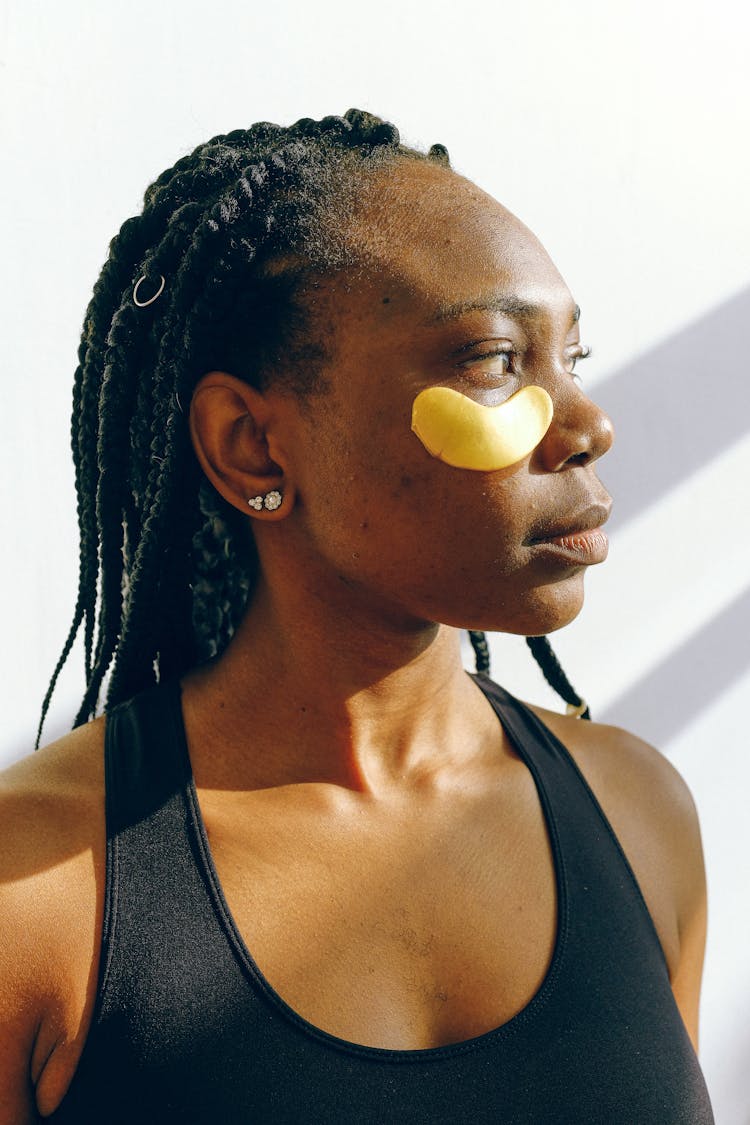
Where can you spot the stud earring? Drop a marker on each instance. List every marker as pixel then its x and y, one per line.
pixel 271 501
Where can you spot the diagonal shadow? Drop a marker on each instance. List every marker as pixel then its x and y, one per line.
pixel 674 693
pixel 677 407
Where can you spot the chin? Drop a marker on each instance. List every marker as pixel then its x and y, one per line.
pixel 539 611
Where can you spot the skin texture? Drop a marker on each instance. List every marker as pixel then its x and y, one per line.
pixel 365 824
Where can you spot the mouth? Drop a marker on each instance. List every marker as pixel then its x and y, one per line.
pixel 578 538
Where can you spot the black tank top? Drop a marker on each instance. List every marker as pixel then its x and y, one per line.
pixel 186 1028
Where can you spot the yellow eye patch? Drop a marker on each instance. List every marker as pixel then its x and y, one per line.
pixel 467 435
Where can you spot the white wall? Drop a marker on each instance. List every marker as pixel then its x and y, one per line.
pixel 619 133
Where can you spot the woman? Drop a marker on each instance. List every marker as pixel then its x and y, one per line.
pixel 339 879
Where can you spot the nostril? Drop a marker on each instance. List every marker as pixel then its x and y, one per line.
pixel 579 459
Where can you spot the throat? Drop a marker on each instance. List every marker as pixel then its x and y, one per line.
pixel 409 729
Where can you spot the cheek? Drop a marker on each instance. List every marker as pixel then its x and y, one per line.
pixel 435 543
pixel 385 513
pixel 434 532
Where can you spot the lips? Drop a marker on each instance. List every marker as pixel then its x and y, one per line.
pixel 567 531
pixel 575 541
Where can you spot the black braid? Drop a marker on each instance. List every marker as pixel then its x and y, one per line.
pixel 542 652
pixel 481 651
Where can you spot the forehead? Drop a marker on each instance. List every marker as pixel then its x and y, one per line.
pixel 446 243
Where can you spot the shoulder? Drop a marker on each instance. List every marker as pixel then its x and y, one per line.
pixel 52 842
pixel 636 780
pixel 613 753
pixel 654 816
pixel 47 798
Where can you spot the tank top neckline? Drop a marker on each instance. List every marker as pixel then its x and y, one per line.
pixel 204 859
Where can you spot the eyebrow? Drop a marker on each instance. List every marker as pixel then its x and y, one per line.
pixel 514 306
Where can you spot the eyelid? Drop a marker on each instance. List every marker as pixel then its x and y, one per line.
pixel 489 353
pixel 498 343
pixel 577 352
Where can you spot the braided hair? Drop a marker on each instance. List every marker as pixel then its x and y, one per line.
pixel 211 275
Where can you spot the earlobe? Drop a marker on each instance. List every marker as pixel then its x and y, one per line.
pixel 230 428
pixel 271 502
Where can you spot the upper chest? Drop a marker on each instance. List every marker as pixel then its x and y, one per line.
pixel 410 926
pixel 388 928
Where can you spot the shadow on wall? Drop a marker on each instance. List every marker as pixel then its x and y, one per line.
pixel 671 695
pixel 675 409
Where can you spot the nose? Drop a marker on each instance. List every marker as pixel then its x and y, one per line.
pixel 580 432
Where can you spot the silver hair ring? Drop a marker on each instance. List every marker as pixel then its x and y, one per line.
pixel 150 301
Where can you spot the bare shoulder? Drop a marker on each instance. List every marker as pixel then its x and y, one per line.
pixel 51 855
pixel 636 782
pixel 654 816
pixel 47 800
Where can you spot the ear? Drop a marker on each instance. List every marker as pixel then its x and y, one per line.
pixel 235 434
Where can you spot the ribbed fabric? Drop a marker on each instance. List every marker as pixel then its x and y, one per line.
pixel 186 1029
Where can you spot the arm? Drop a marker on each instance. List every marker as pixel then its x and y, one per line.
pixel 692 910
pixel 51 863
pixel 20 1011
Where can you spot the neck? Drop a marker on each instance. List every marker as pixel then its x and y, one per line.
pixel 353 702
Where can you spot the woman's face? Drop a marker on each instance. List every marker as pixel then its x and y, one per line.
pixel 458 293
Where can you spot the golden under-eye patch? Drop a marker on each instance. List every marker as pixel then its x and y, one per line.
pixel 467 435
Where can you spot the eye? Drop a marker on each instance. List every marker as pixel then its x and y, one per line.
pixel 498 361
pixel 580 351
